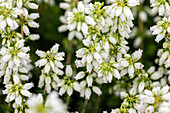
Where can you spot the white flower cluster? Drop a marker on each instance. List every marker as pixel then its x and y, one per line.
pixel 122 15
pixel 52 67
pixel 78 21
pixel 107 36
pixel 130 64
pixel 9 15
pixel 161 6
pixel 17 92
pixel 150 100
pixel 86 86
pixel 67 84
pixel 162 29
pixel 105 49
pixel 15 63
pixel 10 12
pixel 70 6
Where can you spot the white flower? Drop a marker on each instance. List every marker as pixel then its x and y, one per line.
pixel 67 84
pixel 149 109
pixel 51 105
pixel 124 63
pixel 137 54
pixel 79 23
pixel 156 95
pixel 26 30
pixel 80 75
pixel 139 65
pixel 161 29
pixel 33 24
pixel 19 4
pixel 163 57
pixel 141 86
pixel 143 16
pixel 97 90
pixel 76 34
pixel 131 70
pixel 34 16
pixel 76 86
pixel 10 17
pixel 87 93
pixel 16 91
pixel 69 71
pixel 151 70
pixel 107 71
pixel 53 60
pixel 15 59
pixel 69 91
pixel 124 94
pixel 34 37
pixel 164 107
pixel 62 90
pixel 52 67
pixel 131 110
pixel 89 80
pixel 32 5
pixel 133 3
pixel 64 5
pixel 156 75
pixel 162 7
pixel 117 74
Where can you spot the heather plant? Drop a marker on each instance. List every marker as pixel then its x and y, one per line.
pixel 104 53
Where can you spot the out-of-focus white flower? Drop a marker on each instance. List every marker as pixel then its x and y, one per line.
pixel 34 37
pixel 50 2
pixel 143 16
pixel 131 110
pixel 164 107
pixel 52 104
pixel 149 109
pixel 32 5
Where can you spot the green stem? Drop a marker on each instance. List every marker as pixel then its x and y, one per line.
pixel 69 53
pixel 22 23
pixel 68 99
pixel 9 106
pixel 85 104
